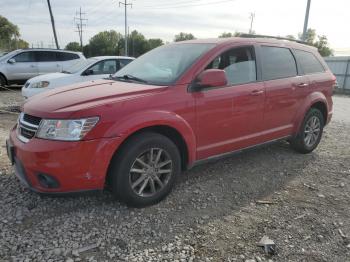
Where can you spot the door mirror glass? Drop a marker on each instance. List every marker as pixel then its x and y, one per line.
pixel 211 78
pixel 11 61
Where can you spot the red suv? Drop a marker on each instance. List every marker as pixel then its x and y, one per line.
pixel 175 107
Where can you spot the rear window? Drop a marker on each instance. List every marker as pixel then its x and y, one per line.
pixel 277 62
pixel 308 62
pixel 61 56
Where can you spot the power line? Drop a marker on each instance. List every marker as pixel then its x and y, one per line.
pixel 189 5
pixel 126 4
pixel 79 24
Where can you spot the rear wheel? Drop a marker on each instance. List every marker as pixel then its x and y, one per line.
pixel 310 133
pixel 144 171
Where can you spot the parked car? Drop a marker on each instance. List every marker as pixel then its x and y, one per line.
pixel 18 66
pixel 175 107
pixel 90 69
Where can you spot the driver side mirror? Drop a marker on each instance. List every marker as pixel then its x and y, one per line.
pixel 88 72
pixel 11 61
pixel 210 78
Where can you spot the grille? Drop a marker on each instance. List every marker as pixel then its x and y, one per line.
pixel 27 127
pixel 31 119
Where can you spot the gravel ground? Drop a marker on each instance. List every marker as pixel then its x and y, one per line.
pixel 215 213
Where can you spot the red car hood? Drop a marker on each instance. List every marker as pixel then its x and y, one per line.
pixel 67 100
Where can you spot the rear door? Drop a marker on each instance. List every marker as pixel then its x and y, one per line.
pixel 230 117
pixel 284 90
pixel 23 68
pixel 47 62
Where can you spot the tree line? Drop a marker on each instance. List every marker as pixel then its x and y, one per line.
pixel 112 42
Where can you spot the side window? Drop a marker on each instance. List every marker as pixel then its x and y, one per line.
pixel 24 57
pixel 309 63
pixel 123 62
pixel 238 63
pixel 45 56
pixel 104 67
pixel 62 56
pixel 277 62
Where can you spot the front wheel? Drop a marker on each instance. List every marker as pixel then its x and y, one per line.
pixel 144 170
pixel 310 133
pixel 2 81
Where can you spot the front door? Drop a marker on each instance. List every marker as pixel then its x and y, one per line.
pixel 230 117
pixel 23 67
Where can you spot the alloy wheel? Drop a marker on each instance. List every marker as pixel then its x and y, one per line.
pixel 312 131
pixel 150 172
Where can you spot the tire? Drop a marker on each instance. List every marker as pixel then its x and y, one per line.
pixel 310 132
pixel 2 80
pixel 132 169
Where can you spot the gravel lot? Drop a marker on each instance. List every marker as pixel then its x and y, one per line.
pixel 215 212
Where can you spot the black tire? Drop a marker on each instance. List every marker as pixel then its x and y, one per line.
pixel 121 174
pixel 299 142
pixel 2 80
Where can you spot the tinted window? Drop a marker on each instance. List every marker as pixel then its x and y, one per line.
pixel 104 67
pixel 61 56
pixel 45 56
pixel 277 62
pixel 24 57
pixel 123 62
pixel 238 64
pixel 309 63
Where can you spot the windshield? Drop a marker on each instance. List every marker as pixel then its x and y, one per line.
pixel 163 65
pixel 80 66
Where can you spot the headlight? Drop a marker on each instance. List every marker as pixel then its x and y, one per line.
pixel 40 84
pixel 66 130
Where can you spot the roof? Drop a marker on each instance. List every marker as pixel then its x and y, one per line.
pixel 112 57
pixel 47 49
pixel 243 40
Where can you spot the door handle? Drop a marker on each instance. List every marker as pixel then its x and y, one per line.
pixel 257 92
pixel 301 85
pixel 32 65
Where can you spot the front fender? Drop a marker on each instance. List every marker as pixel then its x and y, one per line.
pixel 130 124
pixel 311 99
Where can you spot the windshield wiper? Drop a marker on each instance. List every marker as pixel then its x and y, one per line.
pixel 132 78
pixel 65 72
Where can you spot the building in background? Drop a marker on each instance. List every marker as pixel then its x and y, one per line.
pixel 340 66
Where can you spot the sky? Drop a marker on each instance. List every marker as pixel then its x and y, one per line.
pixel 165 18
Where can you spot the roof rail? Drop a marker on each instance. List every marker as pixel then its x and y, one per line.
pixel 273 37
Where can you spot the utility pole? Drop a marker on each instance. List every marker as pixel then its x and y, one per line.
pixel 79 23
pixel 53 24
pixel 126 24
pixel 306 21
pixel 252 16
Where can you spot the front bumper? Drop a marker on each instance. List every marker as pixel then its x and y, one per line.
pixel 75 166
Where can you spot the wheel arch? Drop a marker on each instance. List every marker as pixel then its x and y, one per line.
pixel 2 75
pixel 314 100
pixel 168 131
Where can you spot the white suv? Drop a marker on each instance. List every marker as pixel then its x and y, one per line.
pixel 18 66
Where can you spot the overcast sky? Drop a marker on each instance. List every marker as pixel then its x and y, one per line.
pixel 165 18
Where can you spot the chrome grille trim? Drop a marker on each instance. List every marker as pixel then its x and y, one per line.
pixel 31 129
